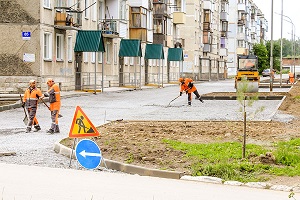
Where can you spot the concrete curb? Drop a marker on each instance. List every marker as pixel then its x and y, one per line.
pixel 143 171
pixel 122 167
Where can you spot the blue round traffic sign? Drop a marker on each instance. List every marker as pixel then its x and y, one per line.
pixel 88 154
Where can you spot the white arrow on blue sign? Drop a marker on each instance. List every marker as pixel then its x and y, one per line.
pixel 88 154
pixel 26 35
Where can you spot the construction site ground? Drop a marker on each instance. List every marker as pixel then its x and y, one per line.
pixel 140 142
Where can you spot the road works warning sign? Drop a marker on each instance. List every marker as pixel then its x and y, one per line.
pixel 82 126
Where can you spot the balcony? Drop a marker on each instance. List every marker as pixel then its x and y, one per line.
pixel 223 52
pixel 109 28
pixel 224 16
pixel 242 51
pixel 179 42
pixel 66 21
pixel 224 34
pixel 207 5
pixel 207 48
pixel 241 7
pixel 206 26
pixel 241 22
pixel 160 9
pixel 178 17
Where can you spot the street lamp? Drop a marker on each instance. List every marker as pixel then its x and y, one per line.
pixel 271 50
pixel 293 39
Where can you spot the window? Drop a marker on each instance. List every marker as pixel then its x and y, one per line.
pixel 100 57
pixel 206 16
pixel 240 43
pixel 93 60
pixel 107 53
pixel 115 54
pixel 94 11
pixel 47 3
pixel 59 47
pixel 224 26
pixel 47 46
pixel 206 37
pixel 85 57
pixel 223 43
pixel 70 3
pixel 70 49
pixel 139 17
pixel 86 12
pixel 123 9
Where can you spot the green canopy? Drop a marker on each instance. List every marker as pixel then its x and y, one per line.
pixel 175 54
pixel 89 41
pixel 154 51
pixel 130 48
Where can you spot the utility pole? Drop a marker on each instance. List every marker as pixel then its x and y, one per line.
pixel 281 43
pixel 271 50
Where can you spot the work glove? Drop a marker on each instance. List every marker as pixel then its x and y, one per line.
pixel 180 93
pixel 186 92
pixel 46 94
pixel 23 104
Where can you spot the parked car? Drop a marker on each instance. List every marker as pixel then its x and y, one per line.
pixel 267 72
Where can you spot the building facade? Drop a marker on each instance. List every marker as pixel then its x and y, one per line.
pixel 39 36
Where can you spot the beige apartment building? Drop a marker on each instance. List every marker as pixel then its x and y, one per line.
pixel 141 42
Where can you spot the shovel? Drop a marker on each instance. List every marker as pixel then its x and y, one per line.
pixel 173 100
pixel 59 115
pixel 25 120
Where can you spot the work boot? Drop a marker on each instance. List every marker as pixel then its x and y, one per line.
pixel 201 100
pixel 50 131
pixel 28 129
pixel 37 128
pixel 189 103
pixel 56 130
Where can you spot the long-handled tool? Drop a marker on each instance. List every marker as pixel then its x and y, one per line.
pixel 59 115
pixel 173 100
pixel 25 120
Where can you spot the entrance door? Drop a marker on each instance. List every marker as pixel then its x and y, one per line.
pixel 78 65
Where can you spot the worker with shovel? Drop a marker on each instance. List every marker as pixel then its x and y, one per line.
pixel 54 98
pixel 30 102
pixel 187 85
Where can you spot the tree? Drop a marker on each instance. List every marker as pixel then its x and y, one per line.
pixel 261 52
pixel 246 101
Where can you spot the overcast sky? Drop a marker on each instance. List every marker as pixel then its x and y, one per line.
pixel 291 9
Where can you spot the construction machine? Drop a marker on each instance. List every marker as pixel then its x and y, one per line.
pixel 247 67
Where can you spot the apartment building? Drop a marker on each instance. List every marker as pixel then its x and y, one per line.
pixel 141 42
pixel 247 26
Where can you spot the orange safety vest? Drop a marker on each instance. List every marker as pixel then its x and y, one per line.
pixel 31 97
pixel 54 90
pixel 185 86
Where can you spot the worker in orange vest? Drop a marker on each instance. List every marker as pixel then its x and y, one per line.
pixel 30 101
pixel 291 77
pixel 187 85
pixel 54 98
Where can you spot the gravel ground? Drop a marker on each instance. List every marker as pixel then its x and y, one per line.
pixel 146 104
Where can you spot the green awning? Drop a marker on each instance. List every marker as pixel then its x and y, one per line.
pixel 130 48
pixel 154 51
pixel 175 54
pixel 89 41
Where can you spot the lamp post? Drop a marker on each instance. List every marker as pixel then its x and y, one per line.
pixel 293 39
pixel 271 50
pixel 281 42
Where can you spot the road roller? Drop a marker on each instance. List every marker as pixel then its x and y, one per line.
pixel 247 67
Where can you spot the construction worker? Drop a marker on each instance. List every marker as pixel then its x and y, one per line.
pixel 186 85
pixel 30 101
pixel 54 98
pixel 291 77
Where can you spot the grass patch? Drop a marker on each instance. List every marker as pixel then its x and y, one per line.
pixel 224 160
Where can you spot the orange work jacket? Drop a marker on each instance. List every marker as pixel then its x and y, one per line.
pixel 54 91
pixel 185 86
pixel 31 97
